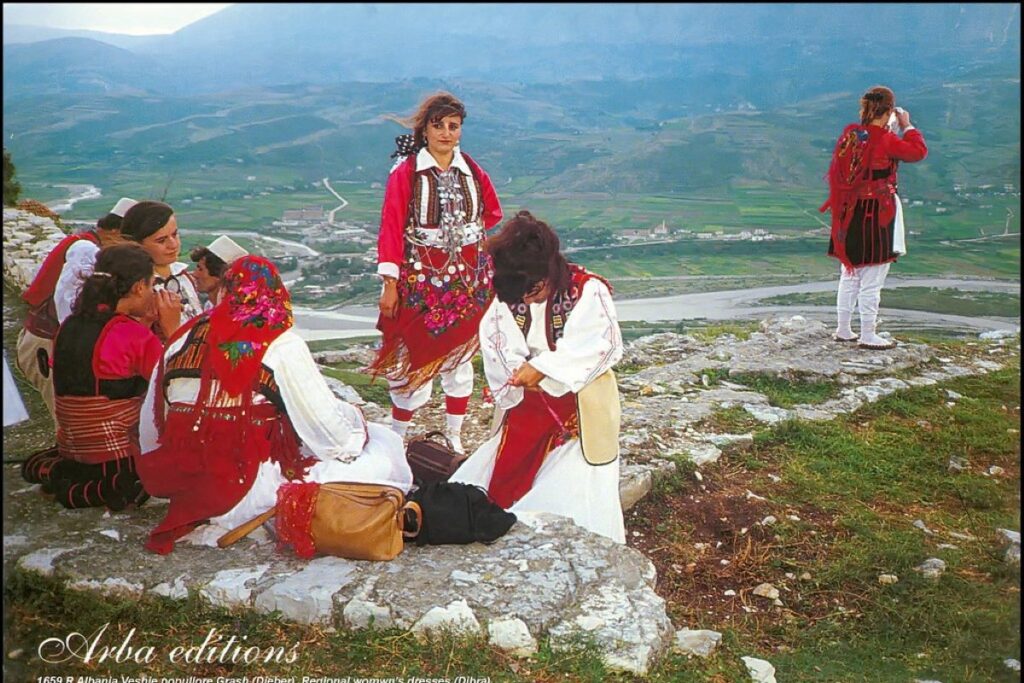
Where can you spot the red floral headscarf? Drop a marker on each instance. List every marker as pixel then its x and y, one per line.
pixel 254 310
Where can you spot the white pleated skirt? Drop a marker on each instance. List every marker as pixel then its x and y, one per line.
pixel 565 485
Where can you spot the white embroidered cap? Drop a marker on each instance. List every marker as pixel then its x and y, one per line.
pixel 226 249
pixel 122 206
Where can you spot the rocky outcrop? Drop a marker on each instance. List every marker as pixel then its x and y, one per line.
pixel 546 577
pixel 665 404
pixel 28 238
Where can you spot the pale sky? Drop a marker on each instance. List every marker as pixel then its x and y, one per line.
pixel 131 18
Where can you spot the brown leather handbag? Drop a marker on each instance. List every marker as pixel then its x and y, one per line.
pixel 432 460
pixel 351 520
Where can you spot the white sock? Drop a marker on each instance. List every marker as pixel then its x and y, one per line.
pixel 843 329
pixel 454 422
pixel 453 430
pixel 399 426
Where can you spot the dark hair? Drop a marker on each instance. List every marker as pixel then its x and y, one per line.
pixel 433 108
pixel 117 269
pixel 109 222
pixel 145 218
pixel 525 252
pixel 876 102
pixel 214 264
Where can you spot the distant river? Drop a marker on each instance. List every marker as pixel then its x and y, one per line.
pixel 78 193
pixel 356 321
pixel 299 246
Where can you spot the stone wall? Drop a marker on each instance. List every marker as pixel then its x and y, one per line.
pixel 27 240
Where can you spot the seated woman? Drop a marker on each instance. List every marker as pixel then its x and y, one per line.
pixel 237 407
pixel 551 331
pixel 154 227
pixel 103 356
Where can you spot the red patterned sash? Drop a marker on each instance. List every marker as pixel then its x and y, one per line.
pixel 96 429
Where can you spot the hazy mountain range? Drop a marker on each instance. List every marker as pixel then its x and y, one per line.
pixel 635 98
pixel 249 45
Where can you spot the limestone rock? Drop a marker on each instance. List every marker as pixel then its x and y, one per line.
pixel 110 586
pixel 175 590
pixel 306 595
pixel 919 524
pixel 932 568
pixel 998 334
pixel 229 587
pixel 702 454
pixel 513 636
pixel 629 626
pixel 360 614
pixel 42 560
pixel 957 464
pixel 362 355
pixel 697 642
pixel 457 617
pixel 767 590
pixel 760 671
pixel 635 482
pixel 722 440
pixel 767 414
pixel 1013 551
pixel 1011 536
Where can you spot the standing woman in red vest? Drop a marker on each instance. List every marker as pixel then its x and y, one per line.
pixel 437 282
pixel 867 228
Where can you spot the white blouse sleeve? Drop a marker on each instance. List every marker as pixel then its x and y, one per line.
pixel 503 349
pixel 148 434
pixel 590 345
pixel 79 262
pixel 331 428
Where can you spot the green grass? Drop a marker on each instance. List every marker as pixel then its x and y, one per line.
pixel 711 331
pixel 375 391
pixel 873 473
pixel 785 392
pixel 938 300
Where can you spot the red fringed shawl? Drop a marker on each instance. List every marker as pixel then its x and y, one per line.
pixel 849 180
pixel 295 505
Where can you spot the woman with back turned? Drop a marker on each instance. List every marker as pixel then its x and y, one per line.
pixel 867 224
pixel 103 356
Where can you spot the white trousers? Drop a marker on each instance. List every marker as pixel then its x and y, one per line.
pixel 457 383
pixel 863 288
